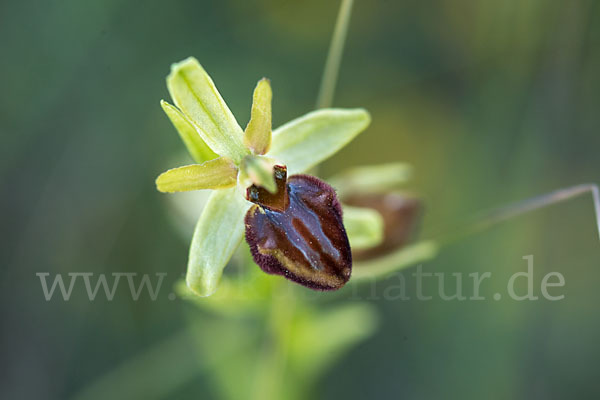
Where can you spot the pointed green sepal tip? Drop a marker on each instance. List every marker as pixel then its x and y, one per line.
pixel 258 132
pixel 196 95
pixel 219 173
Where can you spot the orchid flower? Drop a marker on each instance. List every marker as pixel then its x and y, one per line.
pixel 293 225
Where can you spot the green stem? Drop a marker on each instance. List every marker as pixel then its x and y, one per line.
pixel 427 249
pixel 494 217
pixel 334 56
pixel 272 364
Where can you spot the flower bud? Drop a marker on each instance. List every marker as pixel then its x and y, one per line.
pixel 401 215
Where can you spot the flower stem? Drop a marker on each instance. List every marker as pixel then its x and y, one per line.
pixel 427 249
pixel 271 365
pixel 334 56
pixel 494 217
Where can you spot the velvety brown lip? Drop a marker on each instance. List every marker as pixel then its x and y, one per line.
pixel 305 241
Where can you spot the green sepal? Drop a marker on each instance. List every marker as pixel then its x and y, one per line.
pixel 195 94
pixel 218 233
pixel 306 141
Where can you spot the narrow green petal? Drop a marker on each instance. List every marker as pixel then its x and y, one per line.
pixel 316 136
pixel 218 233
pixel 364 227
pixel 198 149
pixel 194 92
pixel 219 173
pixel 258 132
pixel 371 178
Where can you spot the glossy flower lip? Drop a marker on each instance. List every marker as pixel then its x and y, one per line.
pixel 227 156
pixel 306 241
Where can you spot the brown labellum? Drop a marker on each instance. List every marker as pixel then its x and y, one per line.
pixel 298 232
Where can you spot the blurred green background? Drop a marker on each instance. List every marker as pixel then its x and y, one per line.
pixel 491 101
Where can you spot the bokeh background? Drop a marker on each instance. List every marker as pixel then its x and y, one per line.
pixel 491 101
